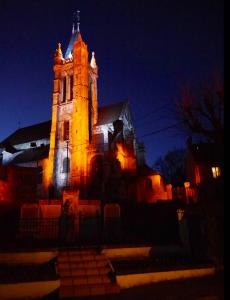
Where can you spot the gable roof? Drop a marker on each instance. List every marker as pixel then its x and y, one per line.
pixel 106 115
pixel 109 114
pixel 28 134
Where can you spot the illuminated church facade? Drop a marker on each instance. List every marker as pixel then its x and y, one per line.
pixel 84 147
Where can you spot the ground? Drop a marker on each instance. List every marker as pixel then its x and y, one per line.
pixel 207 288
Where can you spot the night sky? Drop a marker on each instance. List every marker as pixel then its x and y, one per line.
pixel 146 52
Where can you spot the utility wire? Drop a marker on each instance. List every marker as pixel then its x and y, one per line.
pixel 160 130
pixel 152 112
pixel 143 136
pixel 149 122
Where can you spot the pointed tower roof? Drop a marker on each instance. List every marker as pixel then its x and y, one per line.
pixel 58 56
pixel 76 35
pixel 93 63
pixel 69 50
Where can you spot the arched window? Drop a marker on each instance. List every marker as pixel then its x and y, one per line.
pixel 65 165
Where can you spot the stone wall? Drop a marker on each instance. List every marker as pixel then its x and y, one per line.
pixel 17 185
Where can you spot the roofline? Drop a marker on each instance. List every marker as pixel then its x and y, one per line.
pixel 22 128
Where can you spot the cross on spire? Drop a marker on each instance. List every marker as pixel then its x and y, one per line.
pixel 76 18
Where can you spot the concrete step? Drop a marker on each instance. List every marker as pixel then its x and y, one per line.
pixel 78 253
pixel 82 265
pixel 79 258
pixel 84 280
pixel 82 271
pixel 92 290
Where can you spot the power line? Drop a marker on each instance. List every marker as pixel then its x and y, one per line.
pixel 152 112
pixel 149 122
pixel 162 129
pixel 143 136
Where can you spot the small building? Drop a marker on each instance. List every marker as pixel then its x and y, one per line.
pixel 205 171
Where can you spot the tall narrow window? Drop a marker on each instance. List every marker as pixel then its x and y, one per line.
pixel 71 87
pixel 64 90
pixel 66 131
pixel 197 175
pixel 65 165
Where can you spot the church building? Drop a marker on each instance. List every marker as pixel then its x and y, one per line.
pixel 84 147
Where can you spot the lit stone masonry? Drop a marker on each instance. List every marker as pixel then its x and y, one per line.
pixel 74 80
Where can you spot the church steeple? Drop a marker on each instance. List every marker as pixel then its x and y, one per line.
pixel 76 35
pixel 78 21
pixel 80 131
pixel 74 113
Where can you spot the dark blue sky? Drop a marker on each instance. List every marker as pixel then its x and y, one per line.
pixel 146 51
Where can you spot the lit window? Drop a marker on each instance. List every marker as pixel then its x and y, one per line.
pixel 180 214
pixel 216 172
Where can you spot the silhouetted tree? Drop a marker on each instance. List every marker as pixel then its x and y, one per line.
pixel 172 167
pixel 202 111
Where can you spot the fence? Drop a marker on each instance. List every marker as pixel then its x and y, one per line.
pixel 139 224
pixel 63 229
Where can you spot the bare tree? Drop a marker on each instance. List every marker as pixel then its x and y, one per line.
pixel 172 167
pixel 202 112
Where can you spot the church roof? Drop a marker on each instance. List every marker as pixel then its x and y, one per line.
pixel 32 154
pixel 28 134
pixel 106 115
pixel 109 114
pixel 147 171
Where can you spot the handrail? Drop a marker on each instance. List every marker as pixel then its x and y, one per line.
pixel 113 272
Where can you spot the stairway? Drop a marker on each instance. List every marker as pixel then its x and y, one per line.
pixel 84 273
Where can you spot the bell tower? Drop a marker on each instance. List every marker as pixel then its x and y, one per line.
pixel 80 114
pixel 74 114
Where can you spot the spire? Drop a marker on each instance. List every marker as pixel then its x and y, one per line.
pixel 78 21
pixel 79 38
pixel 76 35
pixel 93 63
pixel 73 29
pixel 58 56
